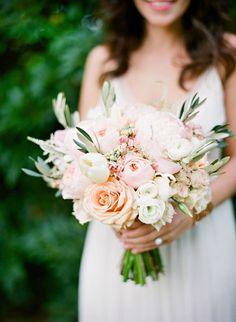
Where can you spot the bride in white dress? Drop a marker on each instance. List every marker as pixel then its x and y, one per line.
pixel 199 284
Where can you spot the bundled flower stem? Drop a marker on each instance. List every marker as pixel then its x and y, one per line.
pixel 137 267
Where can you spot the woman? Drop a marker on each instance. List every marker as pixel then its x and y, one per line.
pixel 183 44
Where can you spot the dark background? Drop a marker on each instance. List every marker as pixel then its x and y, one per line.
pixel 43 46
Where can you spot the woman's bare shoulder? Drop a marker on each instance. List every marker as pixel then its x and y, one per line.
pixel 230 39
pixel 96 64
pixel 99 58
pixel 98 55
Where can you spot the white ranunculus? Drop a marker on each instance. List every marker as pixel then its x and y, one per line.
pixel 164 189
pixel 95 167
pixel 150 210
pixel 166 218
pixel 179 148
pixel 147 190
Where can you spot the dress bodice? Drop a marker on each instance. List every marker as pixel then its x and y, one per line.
pixel 208 86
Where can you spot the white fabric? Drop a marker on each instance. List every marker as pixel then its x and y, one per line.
pixel 199 284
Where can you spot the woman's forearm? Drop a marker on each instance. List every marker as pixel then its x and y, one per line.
pixel 224 186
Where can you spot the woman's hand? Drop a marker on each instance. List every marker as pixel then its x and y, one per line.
pixel 141 237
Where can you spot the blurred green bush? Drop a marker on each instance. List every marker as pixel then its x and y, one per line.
pixel 43 48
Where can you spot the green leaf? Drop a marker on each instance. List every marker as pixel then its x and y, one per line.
pixel 89 145
pixel 43 167
pixel 217 165
pixel 31 173
pixel 222 144
pixel 182 110
pixel 182 206
pixel 189 113
pixel 108 96
pixel 84 133
pixel 67 115
pixel 81 146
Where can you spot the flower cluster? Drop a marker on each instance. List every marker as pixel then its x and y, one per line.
pixel 116 169
pixel 131 163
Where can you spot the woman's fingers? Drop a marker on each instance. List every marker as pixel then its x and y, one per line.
pixel 139 231
pixel 141 239
pixel 136 224
pixel 174 233
pixel 150 246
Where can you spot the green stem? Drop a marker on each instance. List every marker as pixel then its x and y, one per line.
pixel 127 264
pixel 150 266
pixel 140 275
pixel 157 256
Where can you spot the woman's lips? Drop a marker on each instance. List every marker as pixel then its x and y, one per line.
pixel 160 5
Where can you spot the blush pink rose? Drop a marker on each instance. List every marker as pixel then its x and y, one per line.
pixel 112 203
pixel 136 171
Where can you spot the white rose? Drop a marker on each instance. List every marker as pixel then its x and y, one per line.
pixel 150 210
pixel 95 167
pixel 199 199
pixel 179 148
pixel 147 190
pixel 163 187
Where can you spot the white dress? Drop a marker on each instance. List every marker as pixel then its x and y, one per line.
pixel 199 284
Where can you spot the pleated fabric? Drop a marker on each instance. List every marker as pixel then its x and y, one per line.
pixel 199 284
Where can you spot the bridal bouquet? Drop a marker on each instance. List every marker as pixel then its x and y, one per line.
pixel 130 163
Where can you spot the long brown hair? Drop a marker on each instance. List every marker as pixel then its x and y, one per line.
pixel 204 23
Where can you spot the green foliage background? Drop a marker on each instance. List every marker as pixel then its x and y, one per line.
pixel 43 48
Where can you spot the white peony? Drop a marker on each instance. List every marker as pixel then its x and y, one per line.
pixel 150 210
pixel 179 148
pixel 95 167
pixel 73 183
pixel 155 131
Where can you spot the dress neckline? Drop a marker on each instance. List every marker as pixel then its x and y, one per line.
pixel 126 92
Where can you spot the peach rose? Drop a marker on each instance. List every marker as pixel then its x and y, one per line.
pixel 112 203
pixel 136 171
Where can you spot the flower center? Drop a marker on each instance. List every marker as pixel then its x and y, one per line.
pixel 133 167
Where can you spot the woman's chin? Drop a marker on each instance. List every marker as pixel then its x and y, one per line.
pixel 162 13
pixel 161 22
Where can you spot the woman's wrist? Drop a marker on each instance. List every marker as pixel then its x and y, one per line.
pixel 198 217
